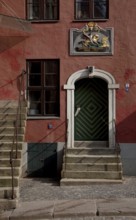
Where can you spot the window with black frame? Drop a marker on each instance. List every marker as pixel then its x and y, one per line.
pixel 91 9
pixel 43 87
pixel 38 10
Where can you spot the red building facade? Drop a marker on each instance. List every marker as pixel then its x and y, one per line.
pixel 35 37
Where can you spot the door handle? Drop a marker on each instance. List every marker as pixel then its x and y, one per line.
pixel 77 111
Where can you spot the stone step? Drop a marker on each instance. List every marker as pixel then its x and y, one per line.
pixel 92 174
pixel 6 181
pixel 11 123
pixel 89 144
pixel 88 182
pixel 90 151
pixel 6 192
pixel 92 167
pixel 7 204
pixel 11 110
pixel 6 162
pixel 11 130
pixel 9 138
pixel 8 116
pixel 8 146
pixel 6 171
pixel 11 103
pixel 7 153
pixel 91 159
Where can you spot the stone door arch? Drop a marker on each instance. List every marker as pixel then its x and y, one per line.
pixel 70 87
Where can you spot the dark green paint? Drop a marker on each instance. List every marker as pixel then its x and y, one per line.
pixel 42 160
pixel 91 124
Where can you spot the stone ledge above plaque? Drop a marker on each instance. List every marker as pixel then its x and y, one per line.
pixel 91 40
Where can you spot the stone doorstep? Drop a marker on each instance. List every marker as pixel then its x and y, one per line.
pixel 91 159
pixel 90 151
pixel 73 209
pixel 88 182
pixel 92 167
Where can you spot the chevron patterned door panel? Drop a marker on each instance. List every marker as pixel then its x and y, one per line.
pixel 91 110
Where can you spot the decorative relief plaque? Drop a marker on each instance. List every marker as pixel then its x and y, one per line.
pixel 91 40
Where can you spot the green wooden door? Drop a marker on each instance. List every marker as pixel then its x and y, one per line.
pixel 91 110
pixel 42 160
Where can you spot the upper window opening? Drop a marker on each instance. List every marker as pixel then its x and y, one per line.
pixel 91 9
pixel 42 9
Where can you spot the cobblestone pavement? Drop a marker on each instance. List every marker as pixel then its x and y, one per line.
pixel 43 189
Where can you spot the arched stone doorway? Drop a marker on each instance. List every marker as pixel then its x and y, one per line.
pixel 70 87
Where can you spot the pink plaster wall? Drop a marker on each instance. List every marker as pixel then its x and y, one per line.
pixel 51 40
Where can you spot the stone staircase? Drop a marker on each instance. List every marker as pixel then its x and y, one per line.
pixel 91 163
pixel 8 110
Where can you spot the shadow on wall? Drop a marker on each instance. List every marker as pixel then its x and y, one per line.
pixel 126 137
pixel 126 130
pixel 7 42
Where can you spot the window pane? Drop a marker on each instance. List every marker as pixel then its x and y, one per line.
pixel 51 109
pixel 35 102
pixel 51 66
pixel 33 9
pixel 82 9
pixel 34 80
pixel 51 9
pixel 35 67
pixel 50 95
pixel 35 74
pixel 51 80
pixel 100 8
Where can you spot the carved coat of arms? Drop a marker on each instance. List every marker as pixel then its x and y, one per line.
pixel 90 40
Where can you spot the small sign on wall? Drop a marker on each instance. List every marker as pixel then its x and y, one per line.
pixel 91 40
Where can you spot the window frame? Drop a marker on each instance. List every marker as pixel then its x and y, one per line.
pixel 42 88
pixel 91 12
pixel 41 20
